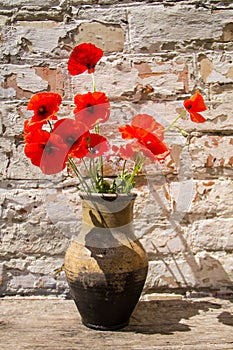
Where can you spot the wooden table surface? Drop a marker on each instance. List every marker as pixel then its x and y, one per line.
pixel 158 322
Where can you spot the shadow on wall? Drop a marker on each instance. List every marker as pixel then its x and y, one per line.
pixel 207 272
pixel 202 272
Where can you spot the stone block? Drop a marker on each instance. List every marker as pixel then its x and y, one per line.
pixel 166 225
pixel 109 37
pixel 114 78
pixel 214 234
pixel 211 152
pixel 157 36
pixel 216 68
pixel 204 271
pixel 35 38
pixel 1 275
pixel 29 4
pixel 123 78
pixel 26 228
pixel 41 220
pixel 117 15
pixel 21 82
pixel 20 282
pixel 167 77
pixel 3 21
pixel 20 167
pixel 211 199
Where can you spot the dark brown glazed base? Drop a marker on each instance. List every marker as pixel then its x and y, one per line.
pixel 105 328
pixel 103 306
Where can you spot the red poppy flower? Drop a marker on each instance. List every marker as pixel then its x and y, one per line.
pixel 194 105
pixel 154 148
pixel 92 108
pixel 126 152
pixel 97 145
pixel 149 141
pixel 74 135
pixel 44 105
pixel 30 127
pixel 84 57
pixel 47 151
pixel 147 122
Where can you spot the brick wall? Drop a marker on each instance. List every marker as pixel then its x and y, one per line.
pixel 156 53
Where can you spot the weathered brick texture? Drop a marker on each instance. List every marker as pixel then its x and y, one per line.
pixel 156 53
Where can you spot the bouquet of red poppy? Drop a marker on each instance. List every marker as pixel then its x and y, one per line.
pixel 52 143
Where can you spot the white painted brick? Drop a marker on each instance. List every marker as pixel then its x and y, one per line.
pixel 160 19
pixel 211 151
pixel 29 3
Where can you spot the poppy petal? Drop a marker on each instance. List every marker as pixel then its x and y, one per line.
pixel 97 145
pixel 44 105
pixel 149 141
pixel 197 117
pixel 147 122
pixel 84 57
pixel 47 151
pixel 128 132
pixel 194 105
pixel 91 108
pixel 126 152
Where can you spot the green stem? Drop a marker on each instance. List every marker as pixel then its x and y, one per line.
pixel 97 131
pixel 79 175
pixel 123 168
pixel 175 120
pixel 182 131
pixel 93 81
pixel 102 170
pixel 90 174
pixel 97 128
pixel 50 125
pixel 137 168
pixel 93 167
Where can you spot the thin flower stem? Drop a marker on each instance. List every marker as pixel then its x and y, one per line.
pixel 97 130
pixel 175 120
pixel 90 174
pixel 93 167
pixel 137 168
pixel 50 125
pixel 182 131
pixel 123 168
pixel 93 81
pixel 79 175
pixel 102 169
